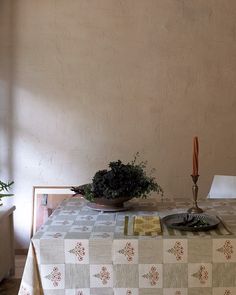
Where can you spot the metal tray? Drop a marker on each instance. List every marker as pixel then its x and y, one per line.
pixel 203 222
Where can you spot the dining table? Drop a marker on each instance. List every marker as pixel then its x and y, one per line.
pixel 81 251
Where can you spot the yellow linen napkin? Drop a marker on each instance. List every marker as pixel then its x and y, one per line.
pixel 147 225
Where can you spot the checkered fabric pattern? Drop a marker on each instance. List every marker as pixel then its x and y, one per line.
pixel 79 251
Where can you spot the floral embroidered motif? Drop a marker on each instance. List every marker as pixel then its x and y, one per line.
pixel 68 212
pixel 80 228
pixel 227 292
pixel 54 276
pixel 128 251
pixel 202 274
pixel 78 251
pixel 226 249
pixel 57 235
pixel 152 276
pixel 107 223
pixel 65 222
pixel 84 228
pixel 87 217
pixel 24 291
pixel 177 250
pixel 102 235
pixel 104 275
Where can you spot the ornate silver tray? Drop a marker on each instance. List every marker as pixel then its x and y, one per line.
pixel 191 222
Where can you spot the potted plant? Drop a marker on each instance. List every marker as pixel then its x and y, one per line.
pixel 110 188
pixel 4 187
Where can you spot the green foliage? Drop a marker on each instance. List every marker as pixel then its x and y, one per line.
pixel 121 180
pixel 5 187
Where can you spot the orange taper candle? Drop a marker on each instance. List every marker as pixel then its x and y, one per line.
pixel 195 155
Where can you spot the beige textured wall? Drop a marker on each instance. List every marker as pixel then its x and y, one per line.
pixel 85 82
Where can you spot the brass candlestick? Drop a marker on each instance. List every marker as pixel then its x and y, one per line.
pixel 195 208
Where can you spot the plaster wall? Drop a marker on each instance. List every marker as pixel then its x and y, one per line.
pixel 85 82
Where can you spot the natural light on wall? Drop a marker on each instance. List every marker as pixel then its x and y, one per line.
pixel 39 158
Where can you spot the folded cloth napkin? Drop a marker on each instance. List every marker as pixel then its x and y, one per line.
pixel 143 226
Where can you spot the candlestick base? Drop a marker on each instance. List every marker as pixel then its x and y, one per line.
pixel 195 209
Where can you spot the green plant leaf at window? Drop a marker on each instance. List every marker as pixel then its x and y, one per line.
pixel 4 189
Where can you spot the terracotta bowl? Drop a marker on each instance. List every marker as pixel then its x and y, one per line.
pixel 109 204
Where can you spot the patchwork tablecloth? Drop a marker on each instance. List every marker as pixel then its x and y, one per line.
pixel 79 251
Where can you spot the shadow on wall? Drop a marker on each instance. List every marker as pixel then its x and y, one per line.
pixel 6 90
pixel 70 110
pixel 38 109
pixel 56 114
